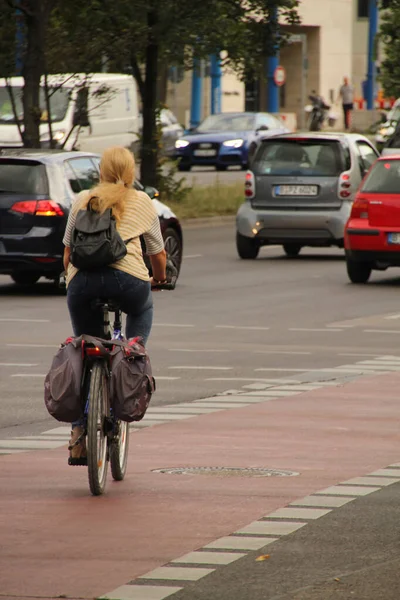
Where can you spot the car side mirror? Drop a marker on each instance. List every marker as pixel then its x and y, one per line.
pixel 151 191
pixel 263 128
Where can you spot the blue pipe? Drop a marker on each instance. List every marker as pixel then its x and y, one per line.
pixel 273 89
pixel 197 94
pixel 371 73
pixel 216 73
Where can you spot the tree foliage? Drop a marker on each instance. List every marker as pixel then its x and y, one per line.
pixel 390 39
pixel 140 36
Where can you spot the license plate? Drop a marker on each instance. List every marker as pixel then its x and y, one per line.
pixel 205 152
pixel 296 190
pixel 394 238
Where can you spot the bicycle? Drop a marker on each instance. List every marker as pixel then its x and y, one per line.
pixel 107 438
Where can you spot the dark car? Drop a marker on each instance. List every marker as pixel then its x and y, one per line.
pixel 226 139
pixel 37 189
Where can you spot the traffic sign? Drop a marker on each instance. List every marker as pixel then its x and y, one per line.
pixel 280 76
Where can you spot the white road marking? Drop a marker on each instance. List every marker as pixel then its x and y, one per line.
pixel 28 375
pixel 196 351
pixel 251 328
pixel 324 329
pixel 178 573
pixel 13 320
pixel 357 354
pixel 392 317
pixel 240 542
pixel 157 416
pixel 141 592
pixel 18 364
pixel 288 369
pixel 381 481
pixel 247 379
pixel 271 527
pixel 384 358
pixel 172 325
pixel 209 558
pixel 299 513
pixel 164 378
pixel 380 331
pixel 386 473
pixel 348 490
pixel 31 444
pixel 279 352
pixel 201 368
pixel 322 501
pixel 33 345
pixel 192 256
pixel 385 363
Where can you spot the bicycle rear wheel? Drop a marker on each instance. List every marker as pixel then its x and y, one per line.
pixel 119 451
pixel 97 429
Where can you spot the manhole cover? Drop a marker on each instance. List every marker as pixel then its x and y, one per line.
pixel 228 471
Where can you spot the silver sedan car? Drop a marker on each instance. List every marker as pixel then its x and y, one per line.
pixel 299 191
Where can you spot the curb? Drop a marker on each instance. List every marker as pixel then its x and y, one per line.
pixel 218 221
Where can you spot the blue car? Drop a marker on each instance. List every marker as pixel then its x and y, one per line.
pixel 226 139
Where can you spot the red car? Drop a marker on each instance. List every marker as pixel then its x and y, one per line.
pixel 372 233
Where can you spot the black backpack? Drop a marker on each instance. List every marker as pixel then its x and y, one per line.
pixel 95 241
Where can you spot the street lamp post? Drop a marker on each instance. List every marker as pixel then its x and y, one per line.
pixel 371 72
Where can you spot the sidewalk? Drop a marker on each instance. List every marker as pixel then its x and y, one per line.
pixel 57 540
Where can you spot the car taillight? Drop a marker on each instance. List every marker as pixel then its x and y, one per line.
pixel 39 208
pixel 344 186
pixel 249 186
pixel 359 209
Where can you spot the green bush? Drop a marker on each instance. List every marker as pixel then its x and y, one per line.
pixel 208 201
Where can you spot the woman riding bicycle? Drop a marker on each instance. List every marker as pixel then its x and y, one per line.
pixel 126 282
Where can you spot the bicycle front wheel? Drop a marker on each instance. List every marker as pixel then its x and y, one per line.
pixel 98 414
pixel 119 451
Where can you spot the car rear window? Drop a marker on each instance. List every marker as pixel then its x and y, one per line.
pixel 383 178
pixel 23 177
pixel 311 158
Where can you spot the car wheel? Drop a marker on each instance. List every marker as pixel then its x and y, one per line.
pixel 184 167
pixel 173 247
pixel 221 167
pixel 358 272
pixel 292 250
pixel 247 248
pixel 25 278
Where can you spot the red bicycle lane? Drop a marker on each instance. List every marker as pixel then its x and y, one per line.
pixel 58 540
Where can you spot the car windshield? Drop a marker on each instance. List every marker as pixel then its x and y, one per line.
pixel 311 158
pixel 227 122
pixel 59 101
pixel 384 178
pixel 23 177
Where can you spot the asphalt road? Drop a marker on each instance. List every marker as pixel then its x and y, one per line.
pixel 228 322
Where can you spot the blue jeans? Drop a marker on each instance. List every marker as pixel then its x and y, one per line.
pixel 133 295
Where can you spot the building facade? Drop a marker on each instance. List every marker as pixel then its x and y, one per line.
pixel 330 44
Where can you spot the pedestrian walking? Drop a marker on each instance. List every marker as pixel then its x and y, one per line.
pixel 346 94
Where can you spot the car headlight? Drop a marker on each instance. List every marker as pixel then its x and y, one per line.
pixel 181 144
pixel 233 143
pixel 58 136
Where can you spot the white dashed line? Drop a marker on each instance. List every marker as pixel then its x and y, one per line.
pixel 240 542
pixel 192 256
pixel 33 345
pixel 281 352
pixel 323 329
pixel 141 592
pixel 299 513
pixel 197 351
pixel 271 527
pixel 200 368
pixel 18 365
pixel 41 375
pixel 12 320
pixel 172 325
pixel 209 558
pixel 177 573
pixel 250 328
pixel 380 331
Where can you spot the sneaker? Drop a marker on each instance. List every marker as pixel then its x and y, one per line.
pixel 77 449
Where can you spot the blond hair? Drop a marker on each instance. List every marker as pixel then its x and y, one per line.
pixel 117 173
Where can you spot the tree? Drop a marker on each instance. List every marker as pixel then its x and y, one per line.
pixel 146 34
pixel 389 36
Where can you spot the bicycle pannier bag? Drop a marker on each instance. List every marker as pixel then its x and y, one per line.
pixel 132 382
pixel 95 241
pixel 62 386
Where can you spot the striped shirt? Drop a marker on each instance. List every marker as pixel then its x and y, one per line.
pixel 140 218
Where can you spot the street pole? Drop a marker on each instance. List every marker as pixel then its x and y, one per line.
pixel 371 73
pixel 272 64
pixel 197 93
pixel 216 73
pixel 19 41
pixel 304 77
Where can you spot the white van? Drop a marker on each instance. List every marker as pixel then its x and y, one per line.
pixel 88 112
